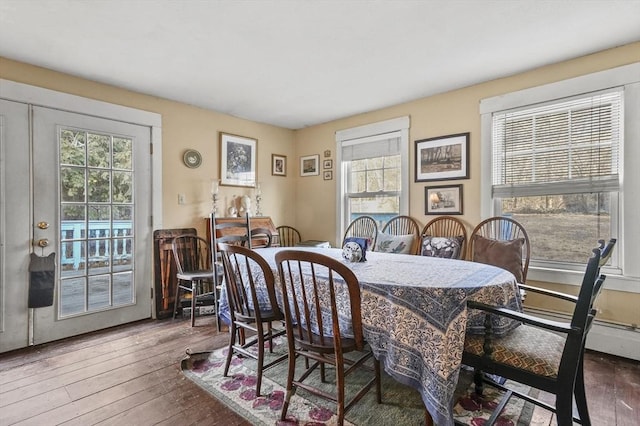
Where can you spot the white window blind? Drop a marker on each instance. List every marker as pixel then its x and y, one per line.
pixel 370 148
pixel 562 147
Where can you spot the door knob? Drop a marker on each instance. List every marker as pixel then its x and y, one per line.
pixel 43 242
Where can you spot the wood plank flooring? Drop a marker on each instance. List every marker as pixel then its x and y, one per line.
pixel 130 375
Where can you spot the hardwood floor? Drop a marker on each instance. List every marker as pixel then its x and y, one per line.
pixel 130 375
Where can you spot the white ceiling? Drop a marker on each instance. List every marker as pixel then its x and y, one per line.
pixel 298 63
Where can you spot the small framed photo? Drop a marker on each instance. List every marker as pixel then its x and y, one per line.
pixel 238 160
pixel 327 164
pixel 442 158
pixel 327 153
pixel 278 165
pixel 444 199
pixel 327 174
pixel 310 165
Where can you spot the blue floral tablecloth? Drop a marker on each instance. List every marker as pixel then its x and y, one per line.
pixel 415 318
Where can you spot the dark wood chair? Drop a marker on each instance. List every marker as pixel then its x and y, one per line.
pixel 288 236
pixel 544 354
pixel 501 241
pixel 447 227
pixel 314 286
pixel 193 263
pixel 235 233
pixel 253 307
pixel 404 225
pixel 363 227
pixel 261 238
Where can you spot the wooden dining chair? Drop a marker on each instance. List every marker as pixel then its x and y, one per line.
pixel 444 236
pixel 192 255
pixel 402 227
pixel 503 242
pixel 253 307
pixel 288 236
pixel 543 354
pixel 321 327
pixel 363 227
pixel 235 233
pixel 261 238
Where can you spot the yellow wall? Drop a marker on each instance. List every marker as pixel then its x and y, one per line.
pixel 309 202
pixel 448 113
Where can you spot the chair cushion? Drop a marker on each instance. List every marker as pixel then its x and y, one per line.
pixel 527 348
pixel 504 254
pixel 394 243
pixel 444 247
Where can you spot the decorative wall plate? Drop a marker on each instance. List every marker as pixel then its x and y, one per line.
pixel 192 158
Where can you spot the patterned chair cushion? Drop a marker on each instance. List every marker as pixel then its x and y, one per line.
pixel 527 348
pixel 394 243
pixel 504 254
pixel 448 248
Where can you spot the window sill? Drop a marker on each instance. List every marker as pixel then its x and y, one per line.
pixel 559 276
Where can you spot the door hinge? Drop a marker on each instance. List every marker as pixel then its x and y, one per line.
pixel 151 149
pixel 151 292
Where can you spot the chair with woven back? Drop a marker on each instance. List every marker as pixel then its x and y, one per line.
pixel 250 286
pixel 401 234
pixel 322 327
pixel 235 232
pixel 362 227
pixel 288 236
pixel 541 353
pixel 444 236
pixel 193 263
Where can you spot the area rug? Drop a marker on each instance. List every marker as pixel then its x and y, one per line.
pixel 401 405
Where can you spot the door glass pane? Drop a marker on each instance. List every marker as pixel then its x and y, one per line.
pixel 97 234
pixel 72 296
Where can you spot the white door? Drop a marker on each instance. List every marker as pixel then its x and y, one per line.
pixel 88 200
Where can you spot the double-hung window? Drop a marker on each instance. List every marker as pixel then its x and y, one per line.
pixel 373 171
pixel 554 160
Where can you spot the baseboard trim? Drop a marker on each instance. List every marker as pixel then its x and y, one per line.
pixel 603 337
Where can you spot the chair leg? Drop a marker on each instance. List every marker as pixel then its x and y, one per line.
pixel 581 399
pixel 478 381
pixel 376 367
pixel 232 342
pixel 260 337
pixel 215 303
pixel 340 392
pixel 176 298
pixel 564 409
pixel 194 298
pixel 290 388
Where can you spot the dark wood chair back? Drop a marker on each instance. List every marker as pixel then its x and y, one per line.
pixel 447 227
pixel 504 229
pixel 404 225
pixel 363 227
pixel 288 236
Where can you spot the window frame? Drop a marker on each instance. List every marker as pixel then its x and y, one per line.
pixel 627 77
pixel 393 128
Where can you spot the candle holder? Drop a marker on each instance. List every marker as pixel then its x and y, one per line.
pixel 215 196
pixel 258 200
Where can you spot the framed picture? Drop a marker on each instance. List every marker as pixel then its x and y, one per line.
pixel 278 165
pixel 327 174
pixel 310 165
pixel 327 153
pixel 327 164
pixel 442 158
pixel 444 199
pixel 238 160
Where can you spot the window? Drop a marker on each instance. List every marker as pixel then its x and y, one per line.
pixel 555 170
pixel 559 159
pixel 372 171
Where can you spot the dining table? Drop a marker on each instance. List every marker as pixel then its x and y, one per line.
pixel 414 315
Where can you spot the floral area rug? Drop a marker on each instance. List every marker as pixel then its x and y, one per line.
pixel 401 405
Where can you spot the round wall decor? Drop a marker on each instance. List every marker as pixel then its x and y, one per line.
pixel 192 158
